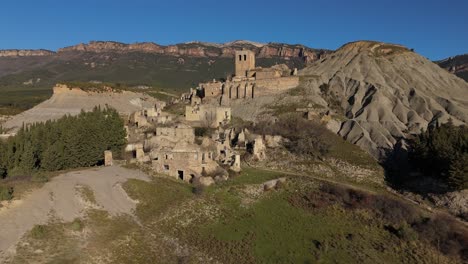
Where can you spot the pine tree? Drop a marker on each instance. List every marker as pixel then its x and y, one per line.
pixel 458 174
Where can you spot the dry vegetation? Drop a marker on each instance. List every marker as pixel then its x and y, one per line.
pixel 303 221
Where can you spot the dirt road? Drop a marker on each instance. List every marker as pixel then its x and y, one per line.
pixel 59 198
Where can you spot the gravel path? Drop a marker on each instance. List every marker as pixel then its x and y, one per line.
pixel 59 198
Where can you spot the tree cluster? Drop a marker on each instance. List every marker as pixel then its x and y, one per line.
pixel 70 142
pixel 442 152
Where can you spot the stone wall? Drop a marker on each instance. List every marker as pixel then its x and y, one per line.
pixel 177 133
pixel 185 165
pixel 212 89
pixel 209 115
pixel 252 89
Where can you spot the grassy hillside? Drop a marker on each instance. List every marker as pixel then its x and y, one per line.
pixel 303 221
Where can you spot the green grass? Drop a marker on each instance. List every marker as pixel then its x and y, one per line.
pixel 219 225
pixel 272 230
pixel 251 175
pixel 86 193
pixel 156 197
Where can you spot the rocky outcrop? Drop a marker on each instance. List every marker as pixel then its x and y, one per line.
pixel 455 202
pixel 25 53
pixel 201 49
pixel 387 92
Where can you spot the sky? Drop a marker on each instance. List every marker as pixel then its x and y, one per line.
pixel 435 29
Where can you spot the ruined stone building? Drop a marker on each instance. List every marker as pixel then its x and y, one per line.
pixel 249 81
pixel 150 115
pixel 176 133
pixel 208 115
pixel 184 161
pixel 172 151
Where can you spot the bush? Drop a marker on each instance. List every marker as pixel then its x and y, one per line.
pixel 197 188
pixel 305 137
pixel 39 177
pixel 203 131
pixel 404 232
pixel 6 193
pixel 445 234
pixel 394 211
pixel 77 225
pixel 390 210
pixel 400 218
pixel 38 232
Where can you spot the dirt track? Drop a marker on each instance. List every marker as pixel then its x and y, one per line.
pixel 59 198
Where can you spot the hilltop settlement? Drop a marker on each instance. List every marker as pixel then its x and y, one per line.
pixel 168 143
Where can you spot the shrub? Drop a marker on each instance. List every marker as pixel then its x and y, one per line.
pixel 39 177
pixel 305 137
pixel 400 218
pixel 6 193
pixel 445 234
pixel 197 188
pixel 390 210
pixel 394 211
pixel 203 131
pixel 77 225
pixel 38 232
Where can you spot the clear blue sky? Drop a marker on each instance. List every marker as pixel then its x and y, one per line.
pixel 436 29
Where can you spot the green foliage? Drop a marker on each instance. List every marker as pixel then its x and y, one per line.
pixel 443 152
pixel 77 225
pixel 6 193
pixel 203 131
pixel 38 231
pixel 97 86
pixel 69 142
pixel 458 173
pixel 305 137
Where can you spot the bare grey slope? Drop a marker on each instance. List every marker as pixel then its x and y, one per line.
pixel 72 102
pixel 388 92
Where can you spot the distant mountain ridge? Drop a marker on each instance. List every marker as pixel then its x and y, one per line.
pixel 27 76
pixel 457 65
pixel 25 52
pixel 195 49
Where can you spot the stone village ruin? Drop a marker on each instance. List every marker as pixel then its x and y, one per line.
pixel 168 144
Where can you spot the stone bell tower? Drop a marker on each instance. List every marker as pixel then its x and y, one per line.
pixel 244 61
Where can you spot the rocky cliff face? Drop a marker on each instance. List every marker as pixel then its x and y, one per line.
pixel 387 92
pixel 25 53
pixel 191 49
pixel 457 65
pixel 199 49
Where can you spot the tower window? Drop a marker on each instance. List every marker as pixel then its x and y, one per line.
pixel 245 57
pixel 240 57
